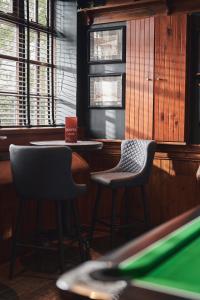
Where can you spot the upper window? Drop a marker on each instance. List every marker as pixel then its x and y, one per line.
pixel 31 76
pixel 106 45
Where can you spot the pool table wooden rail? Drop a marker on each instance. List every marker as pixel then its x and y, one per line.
pixel 115 257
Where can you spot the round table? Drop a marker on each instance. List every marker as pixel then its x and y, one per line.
pixel 3 137
pixel 79 146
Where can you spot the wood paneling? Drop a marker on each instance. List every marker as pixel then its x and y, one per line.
pixel 139 78
pixel 170 78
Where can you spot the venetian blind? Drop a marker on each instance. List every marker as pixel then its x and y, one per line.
pixel 32 68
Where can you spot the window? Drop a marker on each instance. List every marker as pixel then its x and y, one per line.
pixel 106 58
pixel 105 94
pixel 31 76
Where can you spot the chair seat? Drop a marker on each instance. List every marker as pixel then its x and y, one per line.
pixel 115 179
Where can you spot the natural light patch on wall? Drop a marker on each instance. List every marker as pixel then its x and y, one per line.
pixel 65 73
pixel 110 124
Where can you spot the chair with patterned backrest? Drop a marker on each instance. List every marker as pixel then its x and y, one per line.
pixel 40 174
pixel 133 170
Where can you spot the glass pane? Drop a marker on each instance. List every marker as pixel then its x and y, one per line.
pixel 6 6
pixel 106 45
pixel 45 79
pixel 33 45
pixel 32 10
pixel 106 91
pixel 8 76
pixel 40 109
pixel 8 38
pixel 40 47
pixel 40 78
pixel 9 111
pixel 33 79
pixel 45 53
pixel 42 12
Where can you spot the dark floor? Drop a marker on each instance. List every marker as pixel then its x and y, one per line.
pixel 36 274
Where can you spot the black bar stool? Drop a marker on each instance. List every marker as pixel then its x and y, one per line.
pixel 133 170
pixel 43 173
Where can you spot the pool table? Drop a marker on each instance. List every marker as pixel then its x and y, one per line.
pixel 162 264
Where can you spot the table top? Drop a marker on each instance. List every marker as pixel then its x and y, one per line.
pixel 3 137
pixel 79 146
pixel 171 250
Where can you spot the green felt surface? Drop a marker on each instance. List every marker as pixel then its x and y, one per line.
pixel 173 262
pixel 181 271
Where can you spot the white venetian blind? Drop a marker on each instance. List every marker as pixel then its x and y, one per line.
pixel 29 60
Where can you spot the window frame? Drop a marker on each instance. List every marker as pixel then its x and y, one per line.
pixel 21 24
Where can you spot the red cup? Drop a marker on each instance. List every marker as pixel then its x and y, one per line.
pixel 71 129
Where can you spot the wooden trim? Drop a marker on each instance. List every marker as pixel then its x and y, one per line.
pixel 126 10
pixel 23 136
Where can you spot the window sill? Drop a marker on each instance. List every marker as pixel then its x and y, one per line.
pixel 8 131
pixel 23 136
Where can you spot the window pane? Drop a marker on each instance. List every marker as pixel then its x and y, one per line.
pixel 11 111
pixel 8 76
pixel 33 79
pixel 8 44
pixel 42 12
pixel 40 109
pixel 6 6
pixel 40 80
pixel 40 46
pixel 44 48
pixel 33 45
pixel 45 78
pixel 106 45
pixel 32 10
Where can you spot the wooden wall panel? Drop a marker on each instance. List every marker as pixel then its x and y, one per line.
pixel 139 78
pixel 170 78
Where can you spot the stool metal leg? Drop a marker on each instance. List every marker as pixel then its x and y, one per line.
pixel 146 207
pixel 60 236
pixel 38 217
pixel 82 243
pixel 95 213
pixel 113 218
pixel 126 205
pixel 15 238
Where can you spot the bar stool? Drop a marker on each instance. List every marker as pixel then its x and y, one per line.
pixel 43 173
pixel 133 170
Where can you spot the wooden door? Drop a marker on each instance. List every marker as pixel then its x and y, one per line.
pixel 170 78
pixel 139 78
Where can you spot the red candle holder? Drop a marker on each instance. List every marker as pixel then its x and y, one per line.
pixel 71 129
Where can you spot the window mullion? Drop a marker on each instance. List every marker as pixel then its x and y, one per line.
pixel 21 66
pixel 52 61
pixel 48 69
pixel 38 80
pixel 28 66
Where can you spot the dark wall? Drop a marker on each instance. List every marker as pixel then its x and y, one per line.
pixel 99 123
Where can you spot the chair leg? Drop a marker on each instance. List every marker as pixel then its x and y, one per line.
pixel 60 235
pixel 82 243
pixel 38 217
pixel 126 206
pixel 146 207
pixel 113 218
pixel 15 238
pixel 128 233
pixel 95 213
